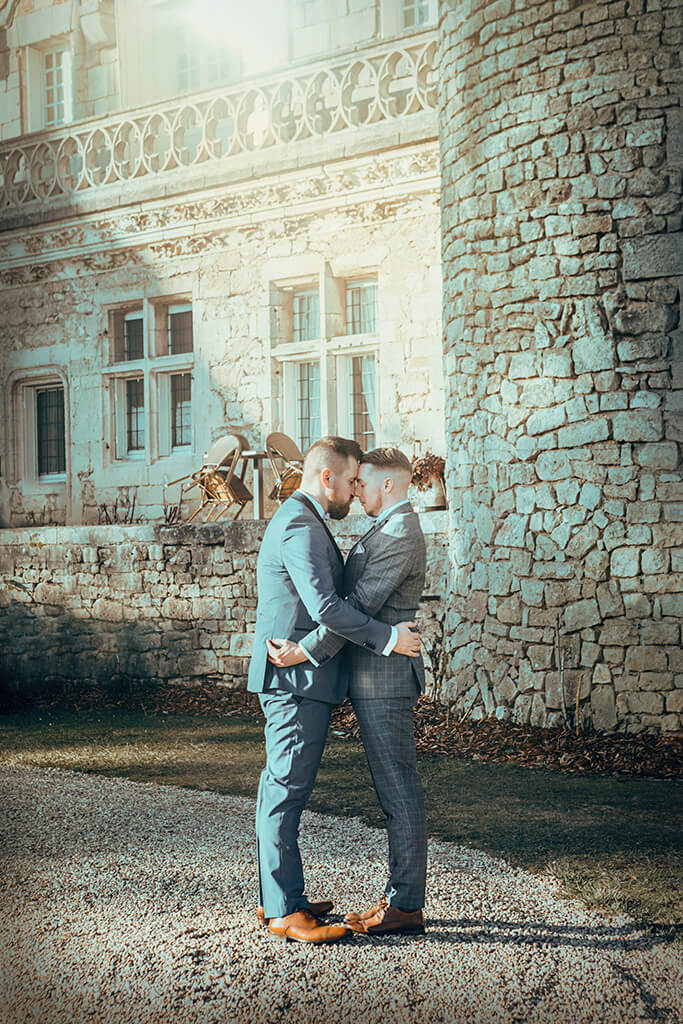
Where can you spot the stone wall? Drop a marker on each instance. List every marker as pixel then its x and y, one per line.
pixel 120 605
pixel 562 250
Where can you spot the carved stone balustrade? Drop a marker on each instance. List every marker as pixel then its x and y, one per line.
pixel 351 92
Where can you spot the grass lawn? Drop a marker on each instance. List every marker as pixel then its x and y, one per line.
pixel 614 842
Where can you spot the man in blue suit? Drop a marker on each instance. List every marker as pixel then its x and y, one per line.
pixel 299 576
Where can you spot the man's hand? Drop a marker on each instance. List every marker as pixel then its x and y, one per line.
pixel 408 642
pixel 284 653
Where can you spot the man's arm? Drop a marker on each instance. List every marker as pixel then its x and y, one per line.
pixel 385 570
pixel 308 566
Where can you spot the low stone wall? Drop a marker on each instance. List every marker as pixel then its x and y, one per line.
pixel 117 604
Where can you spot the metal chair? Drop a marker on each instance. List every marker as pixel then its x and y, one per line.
pixel 286 461
pixel 219 485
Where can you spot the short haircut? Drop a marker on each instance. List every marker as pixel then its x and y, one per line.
pixel 330 452
pixel 389 459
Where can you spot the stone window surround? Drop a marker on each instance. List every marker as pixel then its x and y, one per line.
pixel 22 386
pixel 156 368
pixel 334 346
pixel 35 81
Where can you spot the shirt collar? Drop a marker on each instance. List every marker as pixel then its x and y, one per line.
pixel 318 507
pixel 385 512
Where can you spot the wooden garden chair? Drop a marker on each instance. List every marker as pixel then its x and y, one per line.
pixel 287 462
pixel 219 485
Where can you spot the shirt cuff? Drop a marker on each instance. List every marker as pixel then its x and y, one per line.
pixel 393 640
pixel 316 664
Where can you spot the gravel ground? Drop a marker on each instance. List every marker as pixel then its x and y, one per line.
pixel 127 902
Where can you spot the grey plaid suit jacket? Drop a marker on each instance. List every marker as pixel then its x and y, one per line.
pixel 384 576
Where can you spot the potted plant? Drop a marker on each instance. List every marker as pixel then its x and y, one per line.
pixel 428 478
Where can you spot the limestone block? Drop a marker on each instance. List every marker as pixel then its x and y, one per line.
pixel 557 363
pixel 672 604
pixel 553 466
pixel 528 498
pixel 655 560
pixel 500 579
pixel 582 541
pixel 590 652
pixel 48 593
pixel 643 511
pixel 638 425
pixel 545 419
pixel 523 365
pixel 509 609
pixel 674 701
pixel 522 709
pixel 646 703
pixel 645 658
pixel 177 608
pixel 553 695
pixel 241 644
pixel 583 433
pixel 558 594
pixel 637 606
pixel 540 656
pixel 512 533
pixel 601 674
pixel 207 608
pixel 107 610
pixel 567 491
pixel 198 663
pixel 625 562
pixel 609 595
pixel 532 592
pixel 603 708
pixel 581 615
pixel 537 715
pixel 589 496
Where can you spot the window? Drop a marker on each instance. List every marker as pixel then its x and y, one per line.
pixel 306 309
pixel 135 414
pixel 128 330
pixel 50 431
pixel 49 85
pixel 54 91
pixel 179 329
pixel 415 13
pixel 325 361
pixel 201 62
pixel 181 409
pixel 361 307
pixel 150 402
pixel 41 420
pixel 308 404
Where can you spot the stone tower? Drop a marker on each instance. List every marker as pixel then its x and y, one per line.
pixel 561 136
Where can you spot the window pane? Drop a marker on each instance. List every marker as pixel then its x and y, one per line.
pixel 133 334
pixel 308 404
pixel 181 409
pixel 180 332
pixel 361 308
pixel 415 12
pixel 306 316
pixel 50 415
pixel 53 88
pixel 135 414
pixel 363 401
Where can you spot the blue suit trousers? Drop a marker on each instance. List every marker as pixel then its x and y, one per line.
pixel 296 730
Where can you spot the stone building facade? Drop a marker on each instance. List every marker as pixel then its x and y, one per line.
pixel 562 151
pixel 216 245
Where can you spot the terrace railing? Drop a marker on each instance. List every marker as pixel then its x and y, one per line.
pixel 348 91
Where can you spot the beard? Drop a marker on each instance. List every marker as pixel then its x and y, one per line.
pixel 338 509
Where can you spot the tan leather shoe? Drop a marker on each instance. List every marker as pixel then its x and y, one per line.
pixel 318 909
pixel 390 920
pixel 365 914
pixel 303 927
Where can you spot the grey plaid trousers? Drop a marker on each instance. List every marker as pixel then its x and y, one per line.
pixel 387 732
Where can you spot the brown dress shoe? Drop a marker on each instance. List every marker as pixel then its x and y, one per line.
pixel 303 927
pixel 318 909
pixel 365 914
pixel 390 920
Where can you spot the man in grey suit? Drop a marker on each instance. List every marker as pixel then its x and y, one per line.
pixel 299 576
pixel 384 577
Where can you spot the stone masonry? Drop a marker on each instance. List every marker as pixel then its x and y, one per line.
pixel 146 604
pixel 562 150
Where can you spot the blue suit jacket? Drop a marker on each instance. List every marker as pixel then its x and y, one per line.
pixel 300 574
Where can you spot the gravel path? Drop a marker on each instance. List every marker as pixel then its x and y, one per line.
pixel 127 902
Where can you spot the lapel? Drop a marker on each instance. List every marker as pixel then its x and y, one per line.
pixel 401 509
pixel 303 500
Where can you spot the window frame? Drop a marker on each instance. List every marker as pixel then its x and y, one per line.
pixel 22 464
pixel 334 350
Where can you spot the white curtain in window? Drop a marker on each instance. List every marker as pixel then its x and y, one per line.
pixel 368 385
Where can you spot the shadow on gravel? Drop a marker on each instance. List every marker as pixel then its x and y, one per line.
pixel 461 931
